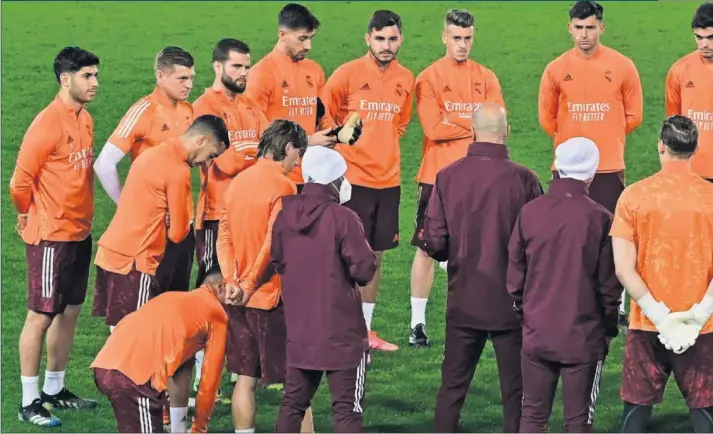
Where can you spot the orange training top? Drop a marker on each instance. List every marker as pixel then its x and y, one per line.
pixel 250 206
pixel 245 127
pixel 53 181
pixel 689 92
pixel 149 345
pixel 447 94
pixel 285 89
pixel 384 101
pixel 159 181
pixel 669 216
pixel 599 97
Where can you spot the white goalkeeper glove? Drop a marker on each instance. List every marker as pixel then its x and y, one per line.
pixel 702 311
pixel 672 330
pixel 443 265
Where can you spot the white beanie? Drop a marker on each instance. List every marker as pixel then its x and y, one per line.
pixel 322 165
pixel 577 158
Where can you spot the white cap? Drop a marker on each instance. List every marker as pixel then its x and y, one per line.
pixel 322 165
pixel 577 158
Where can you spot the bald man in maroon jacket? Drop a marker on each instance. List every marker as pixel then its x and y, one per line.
pixel 320 249
pixel 563 281
pixel 469 219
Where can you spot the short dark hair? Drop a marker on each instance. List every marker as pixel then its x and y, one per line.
pixel 459 18
pixel 171 56
pixel 213 278
pixel 584 9
pixel 703 18
pixel 213 126
pixel 221 51
pixel 72 59
pixel 276 137
pixel 294 16
pixel 384 18
pixel 680 135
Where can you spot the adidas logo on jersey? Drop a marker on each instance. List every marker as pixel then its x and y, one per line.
pixel 447 89
pixel 690 84
pixel 284 83
pixel 164 128
pixel 365 87
pixel 567 77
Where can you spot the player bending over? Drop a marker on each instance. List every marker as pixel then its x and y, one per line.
pixel 150 356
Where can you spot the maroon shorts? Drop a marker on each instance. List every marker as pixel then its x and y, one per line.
pixel 206 250
pixel 174 271
pixel 137 409
pixel 57 274
pixel 257 343
pixel 648 365
pixel 378 210
pixel 117 295
pixel 605 188
pixel 424 194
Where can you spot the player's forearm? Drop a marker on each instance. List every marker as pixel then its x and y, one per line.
pixel 211 373
pixel 224 245
pixel 633 121
pixel 625 265
pixel 105 169
pixel 257 270
pixel 179 224
pixel 21 191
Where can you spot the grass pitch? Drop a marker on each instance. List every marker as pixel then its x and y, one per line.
pixel 515 39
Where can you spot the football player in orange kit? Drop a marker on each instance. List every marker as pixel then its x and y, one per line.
pixel 447 93
pixel 381 91
pixel 52 189
pixel 568 107
pixel 689 89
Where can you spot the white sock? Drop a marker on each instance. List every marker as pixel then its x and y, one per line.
pixel 179 419
pixel 54 382
pixel 418 311
pixel 368 309
pixel 30 389
pixel 622 305
pixel 245 430
pixel 199 364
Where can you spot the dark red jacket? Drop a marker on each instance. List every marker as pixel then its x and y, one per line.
pixel 562 277
pixel 469 219
pixel 320 250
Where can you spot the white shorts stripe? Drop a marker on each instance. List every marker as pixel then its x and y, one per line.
pixel 132 118
pixel 418 200
pixel 595 391
pixel 359 389
pixel 47 272
pixel 144 290
pixel 208 250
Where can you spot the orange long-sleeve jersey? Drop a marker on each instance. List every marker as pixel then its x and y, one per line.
pixel 597 97
pixel 384 101
pixel 689 92
pixel 53 181
pixel 245 127
pixel 150 344
pixel 159 181
pixel 447 93
pixel 250 207
pixel 285 89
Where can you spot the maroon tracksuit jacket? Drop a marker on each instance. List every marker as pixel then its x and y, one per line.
pixel 320 250
pixel 469 219
pixel 561 276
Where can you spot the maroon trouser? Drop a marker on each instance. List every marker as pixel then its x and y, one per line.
pixel 346 387
pixel 580 389
pixel 464 347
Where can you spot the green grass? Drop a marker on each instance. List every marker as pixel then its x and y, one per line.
pixel 516 40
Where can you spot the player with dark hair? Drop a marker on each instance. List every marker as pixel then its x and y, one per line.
pixel 156 118
pixel 663 253
pixel 689 84
pixel 447 93
pixel 381 91
pixel 569 108
pixel 52 189
pixel 285 84
pixel 246 123
pixel 150 357
pixel 256 328
pixel 155 209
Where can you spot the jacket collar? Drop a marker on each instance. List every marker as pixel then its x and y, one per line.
pixel 487 149
pixel 568 186
pixel 326 191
